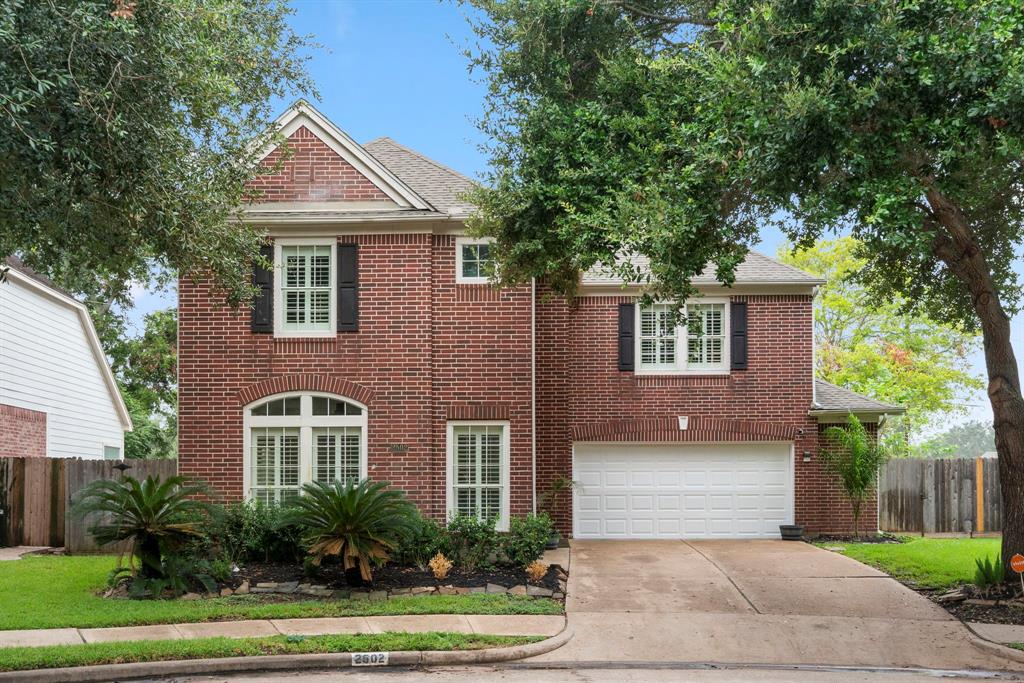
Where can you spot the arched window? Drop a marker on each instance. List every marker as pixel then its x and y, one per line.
pixel 294 438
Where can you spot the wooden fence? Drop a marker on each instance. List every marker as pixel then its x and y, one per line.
pixel 940 495
pixel 36 495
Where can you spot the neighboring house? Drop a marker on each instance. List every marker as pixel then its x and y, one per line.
pixel 377 348
pixel 58 397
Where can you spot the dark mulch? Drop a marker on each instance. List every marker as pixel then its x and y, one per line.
pixel 850 538
pixel 1008 610
pixel 390 576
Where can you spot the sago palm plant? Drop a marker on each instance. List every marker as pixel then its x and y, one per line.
pixel 359 522
pixel 150 514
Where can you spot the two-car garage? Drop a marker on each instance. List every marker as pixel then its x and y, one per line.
pixel 734 490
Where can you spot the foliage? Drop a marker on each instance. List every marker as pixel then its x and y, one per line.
pixel 473 542
pixel 360 522
pixel 48 656
pixel 556 491
pixel 182 573
pixel 254 531
pixel 81 579
pixel 675 129
pixel 151 514
pixel 526 539
pixel 927 562
pixel 425 539
pixel 127 136
pixel 855 462
pixel 989 573
pixel 536 570
pixel 968 440
pixel 871 346
pixel 152 435
pixel 440 566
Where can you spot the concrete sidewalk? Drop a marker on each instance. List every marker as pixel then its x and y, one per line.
pixel 484 624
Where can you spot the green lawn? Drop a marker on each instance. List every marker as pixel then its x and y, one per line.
pixel 55 592
pixel 21 658
pixel 927 562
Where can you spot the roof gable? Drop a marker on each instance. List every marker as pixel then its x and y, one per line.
pixel 328 165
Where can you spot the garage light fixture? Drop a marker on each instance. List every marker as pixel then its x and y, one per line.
pixel 684 422
pixel 807 456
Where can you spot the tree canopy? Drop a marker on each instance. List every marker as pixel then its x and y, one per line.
pixel 871 346
pixel 126 135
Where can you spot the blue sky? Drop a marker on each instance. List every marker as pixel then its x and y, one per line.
pixel 395 68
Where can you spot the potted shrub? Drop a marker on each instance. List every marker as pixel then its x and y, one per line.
pixel 560 486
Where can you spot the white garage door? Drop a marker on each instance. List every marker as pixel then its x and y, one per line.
pixel 682 491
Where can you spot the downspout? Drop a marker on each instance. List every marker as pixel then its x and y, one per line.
pixel 533 389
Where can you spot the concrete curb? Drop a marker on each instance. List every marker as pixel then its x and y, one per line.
pixel 107 672
pixel 993 648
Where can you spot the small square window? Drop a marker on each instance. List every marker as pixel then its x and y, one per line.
pixel 111 453
pixel 473 261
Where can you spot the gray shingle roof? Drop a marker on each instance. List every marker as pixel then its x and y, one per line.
pixel 755 269
pixel 17 264
pixel 832 399
pixel 439 185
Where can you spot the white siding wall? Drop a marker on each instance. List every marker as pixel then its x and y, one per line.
pixel 47 364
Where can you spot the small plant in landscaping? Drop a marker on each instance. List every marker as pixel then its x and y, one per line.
pixel 359 522
pixel 426 539
pixel 536 570
pixel 255 531
pixel 474 542
pixel 440 565
pixel 855 463
pixel 152 515
pixel 989 573
pixel 527 537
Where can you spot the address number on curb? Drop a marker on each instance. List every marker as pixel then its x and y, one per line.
pixel 369 658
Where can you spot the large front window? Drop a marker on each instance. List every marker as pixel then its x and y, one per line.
pixel 478 471
pixel 701 345
pixel 298 438
pixel 305 291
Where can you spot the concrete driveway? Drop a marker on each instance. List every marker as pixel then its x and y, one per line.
pixel 753 602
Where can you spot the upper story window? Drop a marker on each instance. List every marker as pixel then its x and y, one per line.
pixel 473 263
pixel 299 438
pixel 699 346
pixel 305 288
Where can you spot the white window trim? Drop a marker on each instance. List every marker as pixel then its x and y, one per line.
pixel 103 450
pixel 459 243
pixel 279 330
pixel 305 421
pixel 502 524
pixel 681 367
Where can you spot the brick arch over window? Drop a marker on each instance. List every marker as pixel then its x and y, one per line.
pixel 699 429
pixel 316 383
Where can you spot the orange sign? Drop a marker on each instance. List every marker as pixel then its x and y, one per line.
pixel 1017 563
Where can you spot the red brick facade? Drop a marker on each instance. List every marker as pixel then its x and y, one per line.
pixel 429 351
pixel 22 432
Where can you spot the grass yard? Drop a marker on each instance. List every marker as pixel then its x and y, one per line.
pixel 22 658
pixel 927 562
pixel 56 592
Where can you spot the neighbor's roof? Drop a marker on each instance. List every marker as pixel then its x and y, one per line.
pixel 755 269
pixel 828 398
pixel 439 185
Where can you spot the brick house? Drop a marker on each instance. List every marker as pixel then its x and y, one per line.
pixel 377 349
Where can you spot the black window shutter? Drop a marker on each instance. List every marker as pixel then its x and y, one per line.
pixel 263 306
pixel 348 287
pixel 627 347
pixel 738 334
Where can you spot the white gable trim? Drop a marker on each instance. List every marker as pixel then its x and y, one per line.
pixel 304 114
pixel 90 333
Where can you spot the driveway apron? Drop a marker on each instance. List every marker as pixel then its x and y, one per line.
pixel 753 602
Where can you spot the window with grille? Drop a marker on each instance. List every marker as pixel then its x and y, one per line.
pixel 479 471
pixel 698 344
pixel 473 261
pixel 298 438
pixel 306 288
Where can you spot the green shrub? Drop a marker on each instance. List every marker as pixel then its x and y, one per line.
pixel 526 539
pixel 425 539
pixel 989 573
pixel 253 531
pixel 360 523
pixel 473 542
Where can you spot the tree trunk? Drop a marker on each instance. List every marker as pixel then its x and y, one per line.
pixel 856 518
pixel 956 246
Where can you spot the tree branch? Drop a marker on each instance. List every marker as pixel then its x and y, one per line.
pixel 632 8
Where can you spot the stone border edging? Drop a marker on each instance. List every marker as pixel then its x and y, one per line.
pixel 185 667
pixel 993 648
